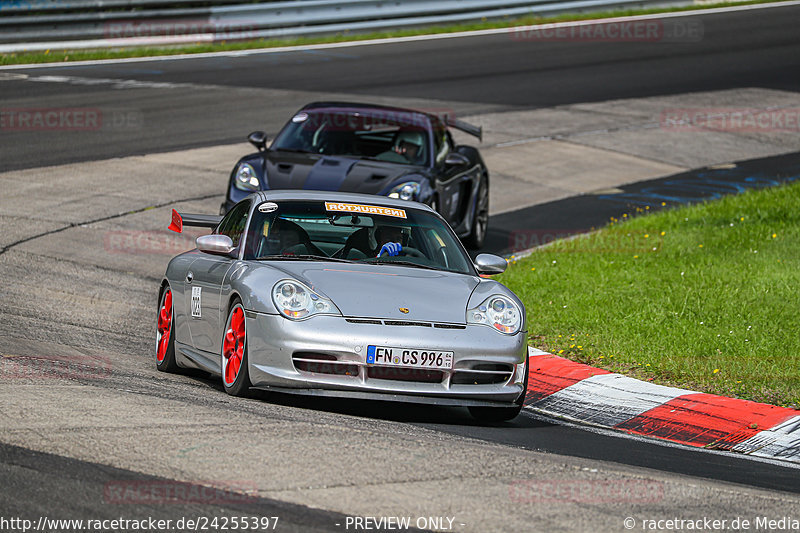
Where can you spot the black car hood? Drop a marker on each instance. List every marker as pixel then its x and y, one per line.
pixel 330 173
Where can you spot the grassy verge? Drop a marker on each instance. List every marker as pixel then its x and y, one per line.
pixel 703 297
pixel 51 56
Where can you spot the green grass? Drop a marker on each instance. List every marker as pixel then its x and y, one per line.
pixel 51 56
pixel 703 297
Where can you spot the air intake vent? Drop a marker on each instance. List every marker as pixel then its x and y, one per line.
pixel 419 375
pixel 483 374
pixel 364 321
pixel 322 363
pixel 284 167
pixel 406 323
pixel 378 322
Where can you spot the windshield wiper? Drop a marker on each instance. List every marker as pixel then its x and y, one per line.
pixel 379 261
pixel 302 257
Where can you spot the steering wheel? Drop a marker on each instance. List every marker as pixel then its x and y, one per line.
pixel 412 252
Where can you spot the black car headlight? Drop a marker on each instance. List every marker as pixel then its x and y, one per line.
pixel 498 312
pixel 246 179
pixel 296 301
pixel 405 191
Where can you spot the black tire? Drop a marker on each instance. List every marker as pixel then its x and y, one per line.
pixel 165 328
pixel 240 384
pixel 502 414
pixel 480 219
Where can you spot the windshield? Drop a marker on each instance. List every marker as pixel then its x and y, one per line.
pixel 382 135
pixel 333 231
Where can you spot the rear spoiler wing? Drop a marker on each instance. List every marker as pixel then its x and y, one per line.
pixel 186 219
pixel 475 131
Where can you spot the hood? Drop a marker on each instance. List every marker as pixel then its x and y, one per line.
pixel 330 173
pixel 380 291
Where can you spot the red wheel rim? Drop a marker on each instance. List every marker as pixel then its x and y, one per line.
pixel 233 346
pixel 164 326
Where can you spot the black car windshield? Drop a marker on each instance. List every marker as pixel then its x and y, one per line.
pixel 383 135
pixel 357 232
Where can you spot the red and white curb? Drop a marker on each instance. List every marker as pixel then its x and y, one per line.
pixel 561 388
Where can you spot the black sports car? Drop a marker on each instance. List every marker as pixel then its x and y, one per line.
pixel 395 152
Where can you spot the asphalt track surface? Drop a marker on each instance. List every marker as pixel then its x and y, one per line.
pixel 742 49
pixel 209 101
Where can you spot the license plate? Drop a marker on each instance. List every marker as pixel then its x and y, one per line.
pixel 406 357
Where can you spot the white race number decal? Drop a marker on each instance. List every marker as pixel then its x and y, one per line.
pixel 196 295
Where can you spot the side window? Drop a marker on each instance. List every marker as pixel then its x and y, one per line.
pixel 442 144
pixel 234 222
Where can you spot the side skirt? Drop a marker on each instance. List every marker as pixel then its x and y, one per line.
pixel 190 358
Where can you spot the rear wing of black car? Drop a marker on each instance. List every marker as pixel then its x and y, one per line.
pixel 179 220
pixel 475 131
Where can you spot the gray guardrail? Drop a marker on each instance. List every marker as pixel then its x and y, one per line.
pixel 30 25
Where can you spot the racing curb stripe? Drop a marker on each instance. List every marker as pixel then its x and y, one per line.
pixel 565 389
pixel 707 420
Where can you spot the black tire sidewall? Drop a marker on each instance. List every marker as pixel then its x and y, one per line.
pixel 474 240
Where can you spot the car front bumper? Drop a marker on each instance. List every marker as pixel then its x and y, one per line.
pixel 488 367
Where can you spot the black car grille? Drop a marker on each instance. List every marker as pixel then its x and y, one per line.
pixel 419 375
pixel 379 322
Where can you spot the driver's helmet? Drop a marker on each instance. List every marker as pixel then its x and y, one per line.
pixel 406 139
pixel 391 233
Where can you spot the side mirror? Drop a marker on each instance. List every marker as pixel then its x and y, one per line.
pixel 259 140
pixel 215 244
pixel 490 264
pixel 454 159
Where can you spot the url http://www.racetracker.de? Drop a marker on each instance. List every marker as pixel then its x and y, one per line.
pixel 196 523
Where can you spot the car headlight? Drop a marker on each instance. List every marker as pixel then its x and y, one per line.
pixel 406 191
pixel 296 301
pixel 246 179
pixel 498 312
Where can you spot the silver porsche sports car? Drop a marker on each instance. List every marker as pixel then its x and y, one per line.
pixel 350 295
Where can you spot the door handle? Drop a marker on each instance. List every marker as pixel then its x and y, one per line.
pixel 189 277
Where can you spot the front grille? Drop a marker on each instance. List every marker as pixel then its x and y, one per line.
pixel 321 363
pixel 449 326
pixel 406 323
pixel 379 322
pixel 419 375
